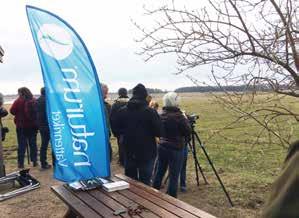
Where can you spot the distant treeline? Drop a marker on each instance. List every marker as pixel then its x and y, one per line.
pixel 240 88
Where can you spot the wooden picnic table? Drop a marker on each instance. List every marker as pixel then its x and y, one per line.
pixel 138 201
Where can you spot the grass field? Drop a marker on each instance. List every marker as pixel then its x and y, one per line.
pixel 246 170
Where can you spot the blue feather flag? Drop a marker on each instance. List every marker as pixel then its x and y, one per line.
pixel 75 107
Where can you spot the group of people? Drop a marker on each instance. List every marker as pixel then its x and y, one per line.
pixel 30 117
pixel 149 143
pixel 147 139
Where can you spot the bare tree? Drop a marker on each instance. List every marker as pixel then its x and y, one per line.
pixel 249 42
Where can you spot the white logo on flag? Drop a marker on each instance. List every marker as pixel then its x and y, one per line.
pixel 55 41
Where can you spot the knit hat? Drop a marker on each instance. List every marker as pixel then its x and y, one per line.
pixel 139 91
pixel 123 93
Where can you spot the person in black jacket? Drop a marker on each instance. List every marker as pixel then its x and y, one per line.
pixel 120 102
pixel 171 147
pixel 137 125
pixel 43 127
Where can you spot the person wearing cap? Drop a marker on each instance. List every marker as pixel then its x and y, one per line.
pixel 120 102
pixel 137 125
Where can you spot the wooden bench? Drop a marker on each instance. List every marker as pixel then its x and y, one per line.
pixel 137 201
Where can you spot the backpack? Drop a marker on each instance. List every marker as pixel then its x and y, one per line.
pixel 31 110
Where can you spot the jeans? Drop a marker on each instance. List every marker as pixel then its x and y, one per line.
pixel 45 138
pixel 26 136
pixel 139 170
pixel 171 159
pixel 184 165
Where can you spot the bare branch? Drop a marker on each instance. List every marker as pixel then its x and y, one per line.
pixel 244 42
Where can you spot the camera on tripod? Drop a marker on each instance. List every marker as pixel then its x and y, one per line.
pixel 192 144
pixel 192 118
pixel 4 131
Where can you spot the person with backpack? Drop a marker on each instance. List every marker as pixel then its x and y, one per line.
pixel 43 127
pixel 120 102
pixel 171 145
pixel 24 111
pixel 137 125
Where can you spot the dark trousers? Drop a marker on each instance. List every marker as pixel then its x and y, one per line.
pixel 120 151
pixel 45 138
pixel 139 170
pixel 26 136
pixel 184 165
pixel 171 159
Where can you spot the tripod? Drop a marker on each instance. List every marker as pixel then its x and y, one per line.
pixel 194 136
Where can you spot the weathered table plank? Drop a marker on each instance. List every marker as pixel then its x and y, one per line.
pixel 180 204
pixel 108 201
pixel 147 204
pixel 98 203
pixel 93 203
pixel 75 204
pixel 129 203
pixel 162 203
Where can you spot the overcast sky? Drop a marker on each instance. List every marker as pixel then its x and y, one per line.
pixel 107 30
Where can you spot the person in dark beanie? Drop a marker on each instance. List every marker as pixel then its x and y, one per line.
pixel 120 102
pixel 123 93
pixel 137 125
pixel 43 127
